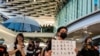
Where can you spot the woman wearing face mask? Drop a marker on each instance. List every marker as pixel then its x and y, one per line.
pixel 18 48
pixel 88 40
pixel 30 48
pixel 88 49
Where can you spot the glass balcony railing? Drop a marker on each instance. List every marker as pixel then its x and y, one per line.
pixel 75 9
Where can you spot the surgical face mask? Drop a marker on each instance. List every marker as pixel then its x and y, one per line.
pixel 63 35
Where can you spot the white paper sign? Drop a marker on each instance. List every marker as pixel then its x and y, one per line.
pixel 63 48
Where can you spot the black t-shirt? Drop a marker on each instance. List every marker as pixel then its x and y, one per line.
pixel 37 51
pixel 18 53
pixel 2 50
pixel 30 51
pixel 84 52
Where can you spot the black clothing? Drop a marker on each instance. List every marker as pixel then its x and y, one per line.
pixel 3 51
pixel 37 51
pixel 30 51
pixel 88 52
pixel 18 53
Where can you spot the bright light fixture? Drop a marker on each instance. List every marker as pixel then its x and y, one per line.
pixel 90 33
pixel 77 39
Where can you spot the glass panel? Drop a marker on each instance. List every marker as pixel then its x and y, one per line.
pixel 99 4
pixel 89 7
pixel 95 4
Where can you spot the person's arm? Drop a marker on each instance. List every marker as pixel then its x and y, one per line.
pixel 12 52
pixel 42 52
pixel 76 50
pixel 22 52
pixel 21 49
pixel 48 53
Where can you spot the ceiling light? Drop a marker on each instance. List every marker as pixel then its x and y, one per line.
pixel 90 33
pixel 85 31
pixel 34 0
pixel 77 39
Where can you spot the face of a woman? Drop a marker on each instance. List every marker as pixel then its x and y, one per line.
pixel 89 40
pixel 19 38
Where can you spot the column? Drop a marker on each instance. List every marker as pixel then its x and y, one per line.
pixel 93 6
pixel 79 8
pixel 98 1
pixel 99 4
pixel 89 6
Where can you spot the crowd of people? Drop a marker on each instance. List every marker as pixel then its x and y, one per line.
pixel 33 49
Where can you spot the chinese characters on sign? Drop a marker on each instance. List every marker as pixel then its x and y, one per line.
pixel 63 48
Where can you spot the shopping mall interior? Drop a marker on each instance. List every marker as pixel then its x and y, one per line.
pixel 81 17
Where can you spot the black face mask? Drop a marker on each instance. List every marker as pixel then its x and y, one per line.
pixel 90 43
pixel 63 35
pixel 30 45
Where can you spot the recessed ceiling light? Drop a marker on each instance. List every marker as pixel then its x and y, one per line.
pixel 85 31
pixel 90 32
pixel 77 39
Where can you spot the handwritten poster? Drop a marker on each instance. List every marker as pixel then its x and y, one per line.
pixel 63 48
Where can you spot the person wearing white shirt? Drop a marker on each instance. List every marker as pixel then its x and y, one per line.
pixel 18 48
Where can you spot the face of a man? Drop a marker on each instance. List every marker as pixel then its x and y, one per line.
pixel 30 41
pixel 37 44
pixel 63 30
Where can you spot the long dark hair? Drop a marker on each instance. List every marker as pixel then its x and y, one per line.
pixel 87 39
pixel 18 53
pixel 48 44
pixel 16 41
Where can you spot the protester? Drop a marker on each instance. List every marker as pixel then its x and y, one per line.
pixel 60 35
pixel 3 50
pixel 30 48
pixel 18 48
pixel 38 49
pixel 88 40
pixel 47 50
pixel 88 49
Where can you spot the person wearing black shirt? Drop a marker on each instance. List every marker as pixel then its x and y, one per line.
pixel 60 35
pixel 88 50
pixel 30 48
pixel 37 50
pixel 3 50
